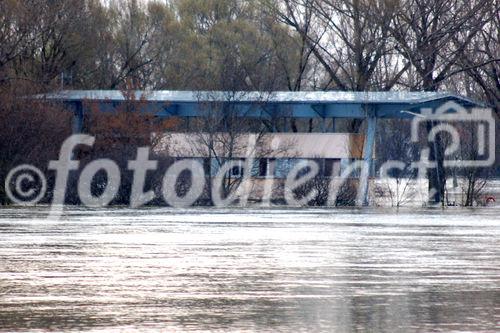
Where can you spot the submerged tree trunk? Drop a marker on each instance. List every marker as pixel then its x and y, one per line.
pixel 437 176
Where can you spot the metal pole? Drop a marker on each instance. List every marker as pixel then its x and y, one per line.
pixel 368 150
pixel 78 118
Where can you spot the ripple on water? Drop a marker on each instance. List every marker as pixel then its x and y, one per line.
pixel 249 270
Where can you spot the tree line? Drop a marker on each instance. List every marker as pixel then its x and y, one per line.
pixel 235 45
pixel 351 45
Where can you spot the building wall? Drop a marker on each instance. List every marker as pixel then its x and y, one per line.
pixel 273 145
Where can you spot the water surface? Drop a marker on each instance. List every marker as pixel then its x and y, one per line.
pixel 250 270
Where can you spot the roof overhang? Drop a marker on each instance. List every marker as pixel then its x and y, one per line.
pixel 270 104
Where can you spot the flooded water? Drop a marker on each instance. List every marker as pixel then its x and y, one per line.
pixel 250 270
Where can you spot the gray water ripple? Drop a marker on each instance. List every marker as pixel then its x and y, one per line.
pixel 150 270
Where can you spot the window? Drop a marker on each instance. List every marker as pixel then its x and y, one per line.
pixel 263 167
pixel 207 166
pixel 237 169
pixel 332 167
pixel 266 167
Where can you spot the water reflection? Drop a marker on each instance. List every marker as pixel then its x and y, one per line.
pixel 274 270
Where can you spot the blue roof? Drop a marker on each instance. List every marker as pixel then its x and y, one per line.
pixel 310 97
pixel 304 104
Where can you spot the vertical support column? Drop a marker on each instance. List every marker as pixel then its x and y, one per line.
pixel 368 150
pixel 334 127
pixel 77 126
pixel 77 123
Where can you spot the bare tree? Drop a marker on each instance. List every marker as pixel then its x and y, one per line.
pixel 349 38
pixel 471 182
pixel 15 32
pixel 400 188
pixel 432 35
pixel 426 33
pixel 120 133
pixel 481 60
pixel 31 131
